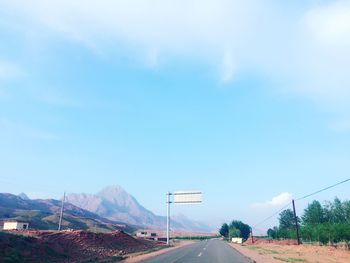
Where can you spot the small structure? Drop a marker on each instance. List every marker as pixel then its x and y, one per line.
pixel 147 235
pixel 15 225
pixel 141 234
pixel 237 240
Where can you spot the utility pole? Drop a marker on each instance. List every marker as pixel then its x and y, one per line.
pixel 251 235
pixel 61 214
pixel 296 223
pixel 168 218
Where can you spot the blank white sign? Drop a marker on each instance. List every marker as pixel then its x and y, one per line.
pixel 187 197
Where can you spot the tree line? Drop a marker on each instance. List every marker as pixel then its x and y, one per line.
pixel 325 223
pixel 235 229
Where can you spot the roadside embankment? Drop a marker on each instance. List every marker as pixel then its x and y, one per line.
pixel 272 253
pixel 69 246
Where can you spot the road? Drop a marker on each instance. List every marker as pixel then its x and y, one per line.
pixel 209 251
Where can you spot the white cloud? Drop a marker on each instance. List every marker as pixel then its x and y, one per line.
pixel 305 50
pixel 228 67
pixel 330 24
pixel 278 200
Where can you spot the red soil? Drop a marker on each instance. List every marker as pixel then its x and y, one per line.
pixel 81 246
pixel 259 241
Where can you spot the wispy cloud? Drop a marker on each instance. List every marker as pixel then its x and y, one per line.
pixel 52 96
pixel 16 129
pixel 306 51
pixel 228 67
pixel 9 69
pixel 276 201
pixel 341 126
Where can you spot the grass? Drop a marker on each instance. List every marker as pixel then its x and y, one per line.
pixel 290 259
pixel 263 251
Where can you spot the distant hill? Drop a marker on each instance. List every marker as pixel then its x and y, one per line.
pixel 44 214
pixel 114 203
pixel 23 196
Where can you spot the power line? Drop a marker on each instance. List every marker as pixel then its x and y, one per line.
pixel 324 189
pixel 268 218
pixel 301 198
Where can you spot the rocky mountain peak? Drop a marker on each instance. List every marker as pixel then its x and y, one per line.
pixel 24 196
pixel 114 203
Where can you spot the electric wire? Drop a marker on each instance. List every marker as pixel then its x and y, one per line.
pixel 301 198
pixel 324 189
pixel 276 213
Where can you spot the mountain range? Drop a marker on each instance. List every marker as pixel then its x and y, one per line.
pixel 111 208
pixel 44 214
pixel 114 203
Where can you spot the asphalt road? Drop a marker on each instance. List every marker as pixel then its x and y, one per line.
pixel 209 251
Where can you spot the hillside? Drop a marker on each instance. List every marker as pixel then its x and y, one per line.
pixel 44 214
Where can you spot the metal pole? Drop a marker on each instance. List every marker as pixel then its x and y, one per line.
pixel 61 214
pixel 251 235
pixel 168 218
pixel 296 223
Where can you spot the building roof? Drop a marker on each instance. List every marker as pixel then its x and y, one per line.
pixel 15 221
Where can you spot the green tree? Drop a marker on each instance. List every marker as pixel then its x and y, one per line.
pixel 271 233
pixel 287 224
pixel 286 220
pixel 346 206
pixel 244 229
pixel 224 230
pixel 313 214
pixel 234 232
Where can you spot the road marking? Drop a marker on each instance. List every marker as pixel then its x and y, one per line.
pixel 200 254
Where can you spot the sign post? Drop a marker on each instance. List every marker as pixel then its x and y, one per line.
pixel 180 197
pixel 168 217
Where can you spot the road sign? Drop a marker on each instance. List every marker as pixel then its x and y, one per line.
pixel 187 197
pixel 180 197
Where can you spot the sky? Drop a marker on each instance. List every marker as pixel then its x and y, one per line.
pixel 246 101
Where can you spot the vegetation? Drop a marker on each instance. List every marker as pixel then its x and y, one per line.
pixel 235 229
pixel 327 223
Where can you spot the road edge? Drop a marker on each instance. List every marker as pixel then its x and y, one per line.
pixel 235 246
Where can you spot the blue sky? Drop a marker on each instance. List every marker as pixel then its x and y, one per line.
pixel 248 102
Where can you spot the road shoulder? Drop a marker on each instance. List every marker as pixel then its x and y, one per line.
pixel 270 253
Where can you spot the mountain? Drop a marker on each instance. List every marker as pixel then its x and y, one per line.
pixel 23 196
pixel 114 203
pixel 44 214
pixel 190 224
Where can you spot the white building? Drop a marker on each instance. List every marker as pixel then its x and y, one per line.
pixel 237 240
pixel 15 225
pixel 148 235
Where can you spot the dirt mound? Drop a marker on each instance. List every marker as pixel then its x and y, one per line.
pixel 258 241
pixel 98 244
pixel 77 246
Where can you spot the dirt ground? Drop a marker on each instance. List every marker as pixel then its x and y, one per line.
pixel 70 246
pixel 272 253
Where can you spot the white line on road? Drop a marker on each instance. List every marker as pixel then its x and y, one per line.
pixel 200 254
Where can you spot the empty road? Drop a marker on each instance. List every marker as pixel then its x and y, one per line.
pixel 209 251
